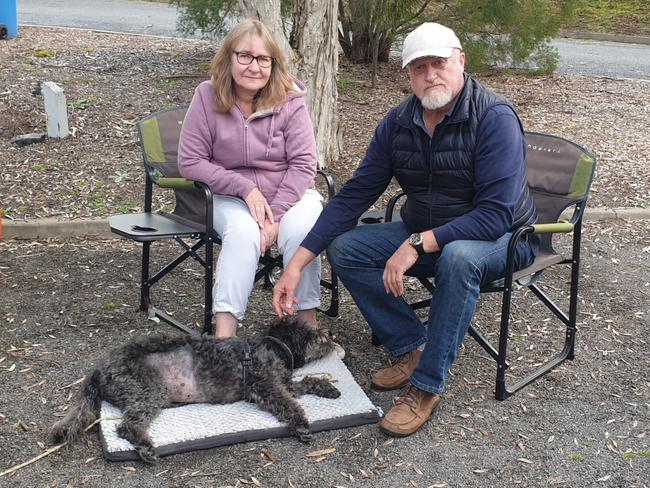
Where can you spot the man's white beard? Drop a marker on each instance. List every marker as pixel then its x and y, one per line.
pixel 435 102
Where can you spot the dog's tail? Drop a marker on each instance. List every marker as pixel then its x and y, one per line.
pixel 82 411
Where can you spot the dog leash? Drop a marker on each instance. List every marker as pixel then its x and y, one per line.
pixel 247 363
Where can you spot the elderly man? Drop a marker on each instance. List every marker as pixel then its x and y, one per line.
pixel 457 150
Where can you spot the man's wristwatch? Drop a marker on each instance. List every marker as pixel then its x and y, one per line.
pixel 417 242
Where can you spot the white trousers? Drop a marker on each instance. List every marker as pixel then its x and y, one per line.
pixel 240 251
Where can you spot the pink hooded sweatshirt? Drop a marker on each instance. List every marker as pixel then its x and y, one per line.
pixel 273 150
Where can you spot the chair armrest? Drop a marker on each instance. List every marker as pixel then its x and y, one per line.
pixel 554 228
pixel 390 207
pixel 176 183
pixel 331 187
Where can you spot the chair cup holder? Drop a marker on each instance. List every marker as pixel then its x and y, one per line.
pixel 372 220
pixel 139 228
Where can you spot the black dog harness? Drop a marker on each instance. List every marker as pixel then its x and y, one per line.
pixel 247 360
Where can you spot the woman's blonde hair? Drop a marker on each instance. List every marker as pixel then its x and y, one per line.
pixel 280 82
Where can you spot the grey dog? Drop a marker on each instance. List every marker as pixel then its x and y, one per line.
pixel 154 372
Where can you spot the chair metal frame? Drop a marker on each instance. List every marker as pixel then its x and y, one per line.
pixel 149 226
pixel 527 277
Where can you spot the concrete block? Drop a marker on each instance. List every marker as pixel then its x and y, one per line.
pixel 55 110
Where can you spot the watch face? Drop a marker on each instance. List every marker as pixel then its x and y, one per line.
pixel 415 239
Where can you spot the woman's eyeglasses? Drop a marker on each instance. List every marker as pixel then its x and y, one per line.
pixel 246 59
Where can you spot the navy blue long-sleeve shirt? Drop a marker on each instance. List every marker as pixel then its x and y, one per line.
pixel 498 172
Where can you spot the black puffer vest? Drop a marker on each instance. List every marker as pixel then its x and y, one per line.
pixel 438 178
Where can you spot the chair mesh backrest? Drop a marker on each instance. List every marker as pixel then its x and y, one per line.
pixel 158 135
pixel 559 175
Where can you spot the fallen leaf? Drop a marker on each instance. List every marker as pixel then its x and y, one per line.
pixel 266 453
pixel 322 452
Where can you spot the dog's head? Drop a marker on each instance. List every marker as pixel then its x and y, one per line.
pixel 306 343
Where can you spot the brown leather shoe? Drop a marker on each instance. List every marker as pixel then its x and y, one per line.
pixel 397 375
pixel 413 407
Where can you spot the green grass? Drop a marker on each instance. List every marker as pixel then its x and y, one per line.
pixel 574 456
pixel 44 53
pixel 166 84
pixel 645 453
pixel 81 104
pixel 128 206
pixel 612 16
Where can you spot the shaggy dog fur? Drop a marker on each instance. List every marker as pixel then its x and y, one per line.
pixel 154 372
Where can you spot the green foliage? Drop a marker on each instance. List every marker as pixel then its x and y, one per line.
pixel 205 16
pixel 507 32
pixel 370 27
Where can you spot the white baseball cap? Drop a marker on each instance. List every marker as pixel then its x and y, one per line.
pixel 429 39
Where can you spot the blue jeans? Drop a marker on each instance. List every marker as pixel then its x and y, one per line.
pixel 359 256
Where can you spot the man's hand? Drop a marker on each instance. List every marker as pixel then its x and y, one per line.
pixel 398 264
pixel 258 207
pixel 284 290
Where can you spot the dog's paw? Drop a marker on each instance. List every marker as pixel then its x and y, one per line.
pixel 303 434
pixel 330 391
pixel 148 455
pixel 56 435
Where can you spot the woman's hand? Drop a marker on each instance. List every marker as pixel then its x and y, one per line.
pixel 268 235
pixel 259 207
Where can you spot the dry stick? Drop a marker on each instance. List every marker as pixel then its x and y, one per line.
pixel 186 75
pixel 53 449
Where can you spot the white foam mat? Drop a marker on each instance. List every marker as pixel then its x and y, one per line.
pixel 203 426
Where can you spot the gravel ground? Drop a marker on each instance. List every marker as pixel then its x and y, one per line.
pixel 585 424
pixel 65 302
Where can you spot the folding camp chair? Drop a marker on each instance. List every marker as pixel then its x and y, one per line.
pixel 191 219
pixel 559 177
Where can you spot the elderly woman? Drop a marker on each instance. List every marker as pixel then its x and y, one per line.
pixel 248 135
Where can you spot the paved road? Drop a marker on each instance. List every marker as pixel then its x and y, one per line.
pixel 592 58
pixel 599 58
pixel 112 15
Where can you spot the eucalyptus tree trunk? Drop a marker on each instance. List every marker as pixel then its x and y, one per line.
pixel 312 54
